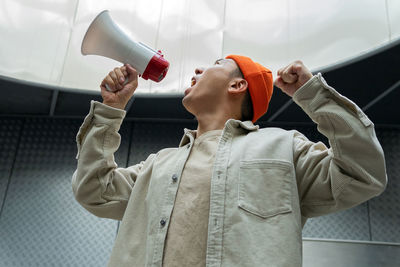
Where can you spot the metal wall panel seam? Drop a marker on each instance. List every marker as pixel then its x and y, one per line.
pixel 158 32
pixel 369 222
pixel 12 166
pixel 69 43
pixel 388 20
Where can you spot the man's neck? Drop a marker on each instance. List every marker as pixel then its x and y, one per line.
pixel 209 122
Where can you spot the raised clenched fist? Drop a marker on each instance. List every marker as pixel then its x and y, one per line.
pixel 292 77
pixel 118 86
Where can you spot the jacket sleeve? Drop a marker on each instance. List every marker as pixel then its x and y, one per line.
pixel 352 170
pixel 98 184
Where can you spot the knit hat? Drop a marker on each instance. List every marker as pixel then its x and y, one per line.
pixel 260 83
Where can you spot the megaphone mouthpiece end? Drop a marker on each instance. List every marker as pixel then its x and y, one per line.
pixel 156 69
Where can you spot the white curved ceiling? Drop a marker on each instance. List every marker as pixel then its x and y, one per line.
pixel 40 40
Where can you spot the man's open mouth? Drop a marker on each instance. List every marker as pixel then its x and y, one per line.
pixel 193 81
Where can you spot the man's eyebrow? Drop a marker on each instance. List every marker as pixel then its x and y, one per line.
pixel 217 61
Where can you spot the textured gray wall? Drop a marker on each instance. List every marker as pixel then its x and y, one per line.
pixel 41 224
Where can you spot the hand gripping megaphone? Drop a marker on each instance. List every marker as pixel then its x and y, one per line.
pixel 105 38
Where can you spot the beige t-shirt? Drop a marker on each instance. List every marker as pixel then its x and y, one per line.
pixel 186 241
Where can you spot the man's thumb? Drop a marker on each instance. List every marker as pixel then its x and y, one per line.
pixel 290 77
pixel 279 82
pixel 131 71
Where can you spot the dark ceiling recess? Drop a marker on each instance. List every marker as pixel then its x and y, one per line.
pixel 372 81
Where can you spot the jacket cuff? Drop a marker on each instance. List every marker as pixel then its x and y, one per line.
pixel 104 114
pixel 316 92
pixel 306 92
pixel 99 113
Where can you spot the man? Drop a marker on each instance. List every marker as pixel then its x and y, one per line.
pixel 231 194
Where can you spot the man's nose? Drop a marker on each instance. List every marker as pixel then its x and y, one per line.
pixel 199 70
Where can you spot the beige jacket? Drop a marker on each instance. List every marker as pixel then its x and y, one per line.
pixel 265 182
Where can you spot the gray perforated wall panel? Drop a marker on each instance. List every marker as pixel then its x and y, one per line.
pixel 151 137
pixel 41 224
pixel 385 209
pixel 9 133
pixel 351 224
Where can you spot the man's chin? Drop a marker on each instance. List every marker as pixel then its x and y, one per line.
pixel 187 91
pixel 186 94
pixel 186 103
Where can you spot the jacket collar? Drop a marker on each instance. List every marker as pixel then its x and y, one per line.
pixel 231 125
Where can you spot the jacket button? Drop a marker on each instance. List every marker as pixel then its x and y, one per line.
pixel 163 222
pixel 174 178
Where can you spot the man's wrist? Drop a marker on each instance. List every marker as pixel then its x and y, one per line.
pixel 106 114
pixel 115 105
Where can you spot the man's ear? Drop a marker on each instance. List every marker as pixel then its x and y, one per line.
pixel 237 86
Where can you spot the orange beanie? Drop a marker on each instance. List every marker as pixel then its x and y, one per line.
pixel 260 83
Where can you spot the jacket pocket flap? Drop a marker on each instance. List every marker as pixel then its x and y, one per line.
pixel 265 187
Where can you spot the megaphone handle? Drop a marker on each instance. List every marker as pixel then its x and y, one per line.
pixel 109 89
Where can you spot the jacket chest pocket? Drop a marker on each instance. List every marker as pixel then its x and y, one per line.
pixel 264 187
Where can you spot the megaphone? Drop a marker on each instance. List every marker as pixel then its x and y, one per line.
pixel 105 38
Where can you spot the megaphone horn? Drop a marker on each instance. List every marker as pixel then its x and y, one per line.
pixel 105 38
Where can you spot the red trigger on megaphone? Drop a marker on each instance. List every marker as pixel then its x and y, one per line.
pixel 105 38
